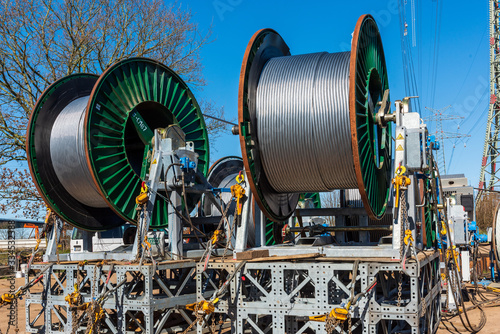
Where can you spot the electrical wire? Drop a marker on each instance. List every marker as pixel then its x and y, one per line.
pixel 410 79
pixel 478 120
pixel 437 37
pixel 457 275
pixel 302 110
pixel 220 120
pixel 68 157
pixel 472 63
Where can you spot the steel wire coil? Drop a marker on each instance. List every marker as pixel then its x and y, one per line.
pixel 67 151
pixel 302 115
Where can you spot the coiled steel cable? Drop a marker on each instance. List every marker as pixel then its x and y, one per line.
pixel 67 152
pixel 302 111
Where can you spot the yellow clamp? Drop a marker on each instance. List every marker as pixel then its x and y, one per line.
pixel 146 244
pixel 443 227
pixel 99 314
pixel 337 313
pixel 101 263
pixel 7 298
pixel 143 196
pixel 205 307
pixel 408 237
pixel 82 263
pixel 451 252
pixel 47 216
pixel 455 257
pixel 84 306
pixel 240 178
pixel 215 237
pixel 238 192
pixel 443 277
pixel 400 181
pixel 74 298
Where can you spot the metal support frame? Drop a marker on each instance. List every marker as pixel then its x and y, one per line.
pixel 149 300
pixel 420 311
pixel 275 295
pixel 209 281
pixel 246 219
pixel 279 297
pixel 53 241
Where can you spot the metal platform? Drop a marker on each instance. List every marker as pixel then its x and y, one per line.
pixel 148 299
pixel 279 296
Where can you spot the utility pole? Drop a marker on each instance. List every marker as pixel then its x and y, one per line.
pixel 439 116
pixel 489 176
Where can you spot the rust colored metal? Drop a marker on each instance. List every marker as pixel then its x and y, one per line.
pixel 241 94
pixel 352 114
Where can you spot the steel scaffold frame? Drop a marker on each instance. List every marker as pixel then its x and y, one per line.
pixel 148 300
pixel 278 297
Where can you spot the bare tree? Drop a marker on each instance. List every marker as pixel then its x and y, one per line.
pixel 44 40
pixel 485 210
pixel 19 194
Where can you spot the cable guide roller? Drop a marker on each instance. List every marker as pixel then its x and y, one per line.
pixel 315 122
pixel 89 136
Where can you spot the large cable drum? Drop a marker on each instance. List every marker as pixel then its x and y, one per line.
pixel 308 123
pixel 88 138
pixel 495 238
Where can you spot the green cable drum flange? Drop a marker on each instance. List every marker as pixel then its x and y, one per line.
pixel 355 84
pixel 430 218
pixel 121 108
pixel 113 146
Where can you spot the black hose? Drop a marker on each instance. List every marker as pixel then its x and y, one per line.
pixel 458 276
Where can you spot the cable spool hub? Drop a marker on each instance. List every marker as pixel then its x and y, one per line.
pixel 87 136
pixel 309 123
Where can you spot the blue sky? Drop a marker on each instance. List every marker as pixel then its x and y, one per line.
pixel 462 63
